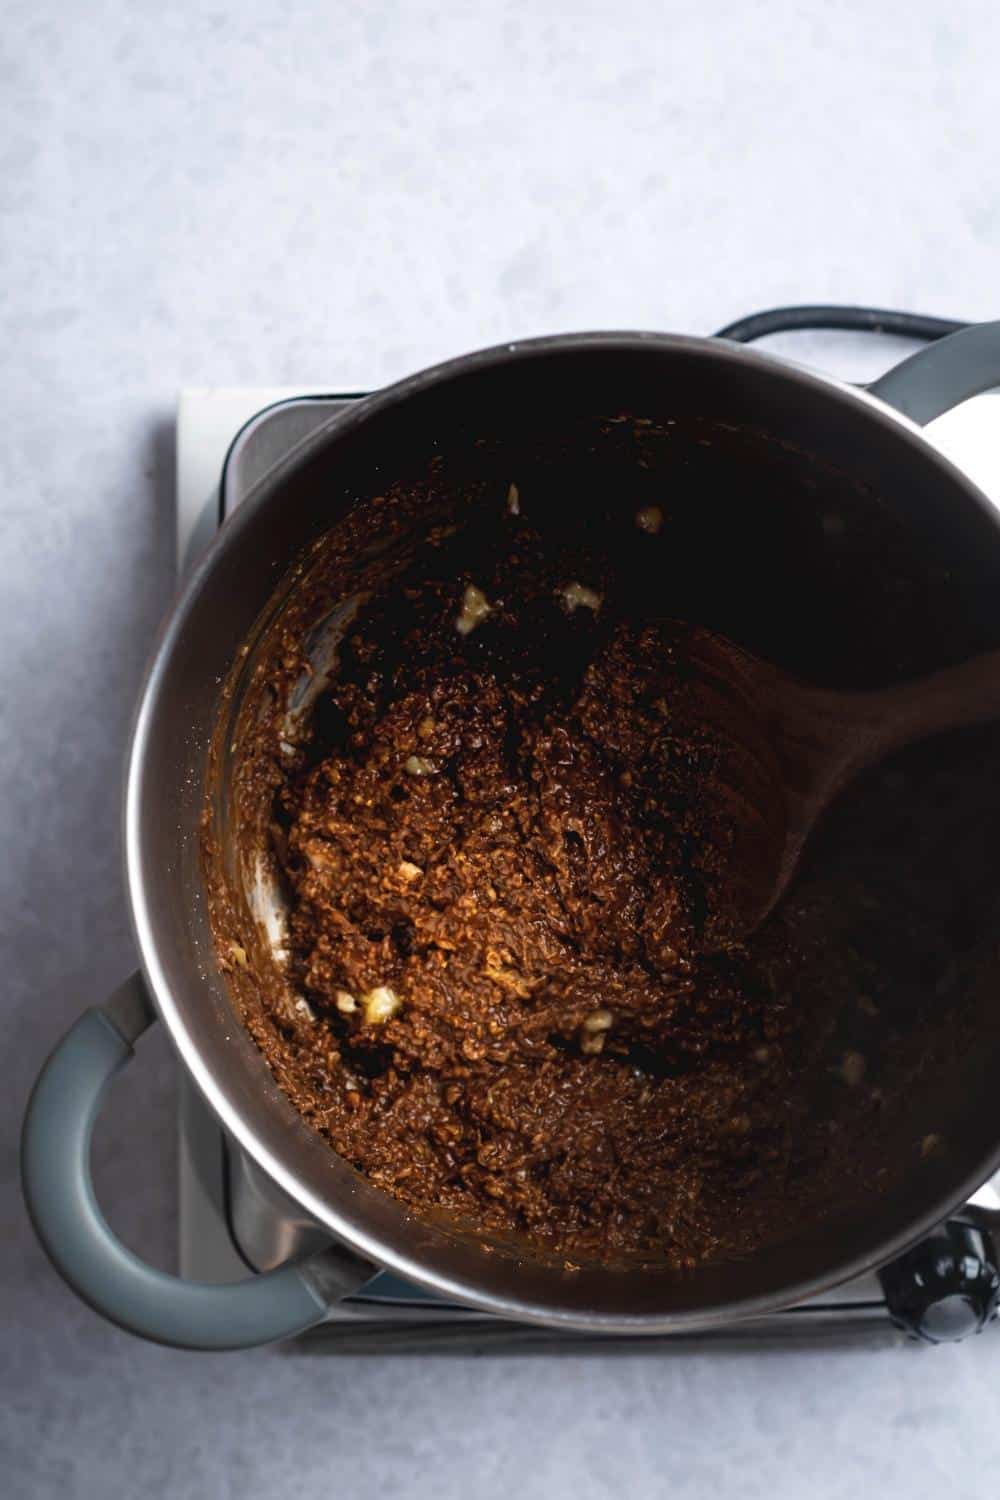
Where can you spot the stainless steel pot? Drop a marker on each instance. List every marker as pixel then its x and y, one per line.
pixel 873 437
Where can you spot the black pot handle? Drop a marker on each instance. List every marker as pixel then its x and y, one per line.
pixel 59 1192
pixel 937 378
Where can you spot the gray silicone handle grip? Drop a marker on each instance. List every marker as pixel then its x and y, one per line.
pixel 937 378
pixel 55 1165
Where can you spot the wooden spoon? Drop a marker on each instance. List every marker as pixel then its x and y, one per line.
pixel 795 747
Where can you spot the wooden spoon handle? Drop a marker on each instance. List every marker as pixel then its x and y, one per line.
pixel 950 699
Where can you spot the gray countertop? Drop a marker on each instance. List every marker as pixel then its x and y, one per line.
pixel 322 192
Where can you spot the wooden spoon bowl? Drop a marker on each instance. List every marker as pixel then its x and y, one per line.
pixel 788 749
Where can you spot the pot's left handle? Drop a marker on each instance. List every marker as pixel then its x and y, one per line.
pixel 55 1167
pixel 937 378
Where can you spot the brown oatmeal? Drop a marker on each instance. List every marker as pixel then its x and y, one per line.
pixel 512 993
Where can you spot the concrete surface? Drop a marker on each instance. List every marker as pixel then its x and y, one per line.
pixel 263 193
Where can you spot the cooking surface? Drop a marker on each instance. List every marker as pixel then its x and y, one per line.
pixel 216 197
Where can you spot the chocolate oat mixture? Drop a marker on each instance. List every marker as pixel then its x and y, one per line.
pixel 514 992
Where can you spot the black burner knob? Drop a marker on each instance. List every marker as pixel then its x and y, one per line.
pixel 945 1288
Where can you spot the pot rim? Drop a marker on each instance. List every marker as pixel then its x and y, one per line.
pixel 233 1121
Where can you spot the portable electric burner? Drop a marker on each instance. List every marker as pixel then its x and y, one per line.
pixel 944 1289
